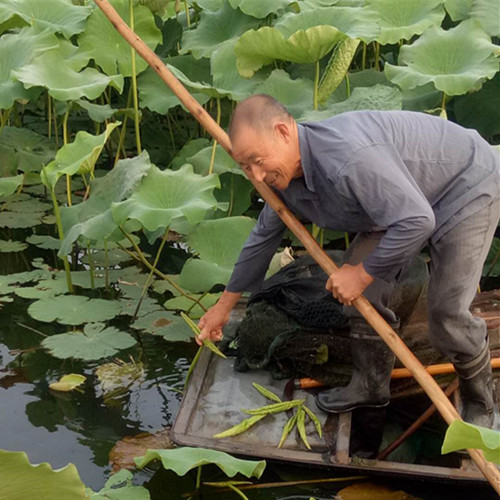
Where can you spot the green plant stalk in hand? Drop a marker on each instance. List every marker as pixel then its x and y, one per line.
pixel 207 343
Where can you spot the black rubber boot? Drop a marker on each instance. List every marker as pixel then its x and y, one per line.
pixel 372 365
pixel 476 390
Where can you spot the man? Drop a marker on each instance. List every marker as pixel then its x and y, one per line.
pixel 401 180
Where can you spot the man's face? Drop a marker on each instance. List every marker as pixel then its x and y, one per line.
pixel 269 157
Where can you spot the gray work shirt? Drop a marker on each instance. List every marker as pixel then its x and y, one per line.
pixel 410 174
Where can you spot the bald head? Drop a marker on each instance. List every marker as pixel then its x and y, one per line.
pixel 259 112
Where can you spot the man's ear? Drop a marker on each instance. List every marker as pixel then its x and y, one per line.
pixel 282 129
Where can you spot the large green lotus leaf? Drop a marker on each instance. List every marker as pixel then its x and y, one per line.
pixel 66 83
pixel 8 246
pixel 24 206
pixel 23 481
pixel 73 309
pixel 485 12
pixel 296 95
pixel 9 185
pixel 405 18
pixel 217 254
pixel 158 97
pixel 481 110
pixel 354 22
pixel 255 49
pixel 458 9
pixel 95 342
pixel 20 220
pixel 236 191
pixel 43 289
pixel 119 487
pixel 223 162
pixel 129 306
pixel 92 218
pixel 212 5
pixel 80 156
pixel 97 112
pixel 189 149
pixel 167 196
pixel 182 303
pixel 226 76
pixel 462 435
pixel 182 460
pixel 26 150
pixel 58 16
pixel 166 324
pixel 18 49
pixel 215 28
pixel 259 8
pixel 378 97
pixel 456 60
pixel 108 48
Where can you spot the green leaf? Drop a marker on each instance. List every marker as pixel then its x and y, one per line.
pixel 23 481
pixel 58 16
pixel 217 253
pixel 26 206
pixel 214 28
pixel 166 197
pixel 95 342
pixel 182 303
pixel 19 220
pixel 236 191
pixel 108 48
pixel 12 246
pixel 462 435
pixel 45 242
pixel 9 185
pixel 485 12
pixel 223 162
pixel 68 382
pixel 92 218
pixel 182 460
pixel 458 9
pixel 402 20
pixel 259 8
pixel 45 288
pixel 78 157
pixel 255 49
pixel 456 60
pixel 118 375
pixel 119 487
pixel 97 112
pixel 166 324
pixel 73 310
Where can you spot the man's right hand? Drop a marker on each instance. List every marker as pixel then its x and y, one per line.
pixel 212 322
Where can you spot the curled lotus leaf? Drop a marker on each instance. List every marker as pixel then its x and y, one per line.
pixel 456 60
pixel 94 342
pixel 108 48
pixel 401 20
pixel 255 49
pixel 58 16
pixel 73 309
pixel 9 185
pixel 485 12
pixel 37 481
pixel 68 382
pixel 214 28
pixel 167 196
pixel 97 112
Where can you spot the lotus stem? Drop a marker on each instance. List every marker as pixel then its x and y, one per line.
pixel 192 366
pixel 197 302
pixel 346 239
pixel 106 265
pixel 363 59
pixel 347 85
pixel 316 82
pixel 198 478
pixel 237 491
pixel 231 198
pixel 49 114
pixel 4 118
pixel 171 132
pixel 214 146
pixel 91 267
pixel 376 47
pixel 56 130
pixel 443 113
pixel 188 20
pixel 61 237
pixel 134 84
pixel 123 130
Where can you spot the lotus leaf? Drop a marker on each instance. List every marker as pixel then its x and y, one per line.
pixel 480 110
pixel 37 481
pixel 129 305
pixel 223 162
pixel 49 287
pixel 113 258
pixel 27 151
pixel 119 487
pixel 80 156
pixel 92 218
pixel 236 191
pixel 9 282
pixel 182 303
pixel 403 19
pixel 164 197
pixel 95 342
pixel 19 220
pixel 45 242
pixel 259 8
pixel 462 435
pixel 458 9
pixel 456 60
pixel 73 309
pixel 108 48
pixel 26 206
pixel 354 22
pixel 66 83
pixel 12 246
pixel 166 324
pixel 182 460
pixel 18 49
pixel 68 382
pixel 9 185
pixel 376 97
pixel 485 12
pixel 188 150
pixel 296 95
pixel 255 49
pixel 217 253
pixel 97 112
pixel 215 28
pixel 58 16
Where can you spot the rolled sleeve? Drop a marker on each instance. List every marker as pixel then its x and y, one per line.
pixel 379 180
pixel 250 269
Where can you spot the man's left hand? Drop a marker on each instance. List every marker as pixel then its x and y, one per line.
pixel 348 283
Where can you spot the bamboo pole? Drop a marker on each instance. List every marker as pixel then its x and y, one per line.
pixel 443 404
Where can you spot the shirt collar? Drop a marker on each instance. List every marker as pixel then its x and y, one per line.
pixel 305 157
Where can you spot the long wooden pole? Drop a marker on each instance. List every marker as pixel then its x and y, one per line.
pixel 443 404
